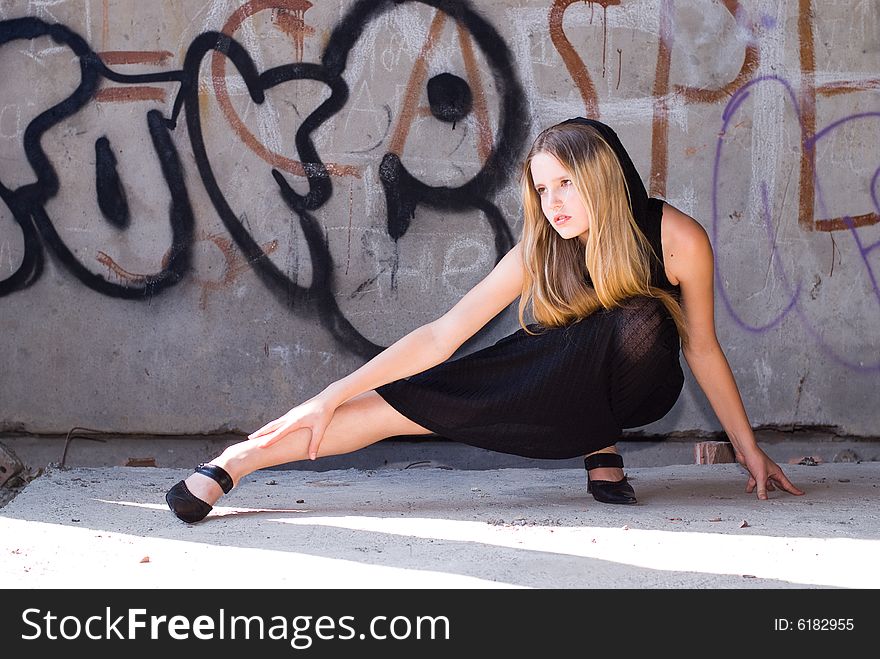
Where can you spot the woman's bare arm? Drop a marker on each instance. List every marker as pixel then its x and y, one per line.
pixel 690 261
pixel 435 342
pixel 418 351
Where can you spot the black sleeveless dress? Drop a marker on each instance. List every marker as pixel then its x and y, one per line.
pixel 566 391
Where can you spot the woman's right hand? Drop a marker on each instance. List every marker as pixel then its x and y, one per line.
pixel 764 474
pixel 314 415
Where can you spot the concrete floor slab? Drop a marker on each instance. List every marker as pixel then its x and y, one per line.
pixel 429 527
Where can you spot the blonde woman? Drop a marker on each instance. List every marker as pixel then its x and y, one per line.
pixel 612 286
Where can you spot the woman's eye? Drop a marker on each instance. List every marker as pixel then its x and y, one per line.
pixel 540 191
pixel 566 182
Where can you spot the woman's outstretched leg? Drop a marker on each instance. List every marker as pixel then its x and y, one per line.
pixel 357 423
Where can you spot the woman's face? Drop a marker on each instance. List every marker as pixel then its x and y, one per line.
pixel 560 201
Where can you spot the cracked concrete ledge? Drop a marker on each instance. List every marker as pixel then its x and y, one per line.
pixel 39 453
pixel 95 450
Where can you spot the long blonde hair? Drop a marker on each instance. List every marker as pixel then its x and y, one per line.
pixel 617 254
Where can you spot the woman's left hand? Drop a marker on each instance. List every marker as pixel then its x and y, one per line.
pixel 764 474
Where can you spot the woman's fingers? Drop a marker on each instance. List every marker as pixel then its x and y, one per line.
pixel 785 484
pixel 282 430
pixel 758 483
pixel 762 489
pixel 315 441
pixel 269 427
pixel 770 483
pixel 270 439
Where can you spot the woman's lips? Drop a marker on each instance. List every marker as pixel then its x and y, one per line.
pixel 561 219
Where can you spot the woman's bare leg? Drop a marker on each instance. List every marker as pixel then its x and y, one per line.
pixel 359 422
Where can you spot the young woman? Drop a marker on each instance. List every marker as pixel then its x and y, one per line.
pixel 616 284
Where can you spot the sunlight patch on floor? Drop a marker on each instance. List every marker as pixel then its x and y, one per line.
pixel 840 562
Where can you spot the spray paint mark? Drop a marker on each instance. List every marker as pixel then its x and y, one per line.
pixel 290 19
pixel 152 57
pixel 130 95
pixel 792 291
pixel 619 67
pixel 449 97
pixel 111 193
pixel 405 194
pixel 218 79
pixel 663 92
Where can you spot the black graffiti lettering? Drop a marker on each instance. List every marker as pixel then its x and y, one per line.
pixel 33 261
pixel 111 195
pixel 182 226
pixel 27 203
pixel 318 297
pixel 403 191
pixel 450 98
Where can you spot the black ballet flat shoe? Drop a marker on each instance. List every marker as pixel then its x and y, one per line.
pixel 186 505
pixel 608 491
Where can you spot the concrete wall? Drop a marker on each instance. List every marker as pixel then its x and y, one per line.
pixel 168 265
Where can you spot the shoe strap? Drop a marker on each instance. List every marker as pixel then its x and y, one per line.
pixel 597 460
pixel 219 474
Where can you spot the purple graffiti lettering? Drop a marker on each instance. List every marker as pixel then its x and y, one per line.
pixel 794 292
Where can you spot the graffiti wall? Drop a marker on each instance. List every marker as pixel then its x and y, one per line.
pixel 212 209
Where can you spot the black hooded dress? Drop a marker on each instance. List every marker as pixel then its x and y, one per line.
pixel 566 391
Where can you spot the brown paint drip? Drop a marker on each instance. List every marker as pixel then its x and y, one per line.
pixel 833 250
pixel 619 66
pixel 218 78
pixel 660 122
pixel 573 62
pixel 415 85
pixel 292 23
pixel 808 113
pixel 481 112
pixel 135 56
pixel 604 35
pixel 130 94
